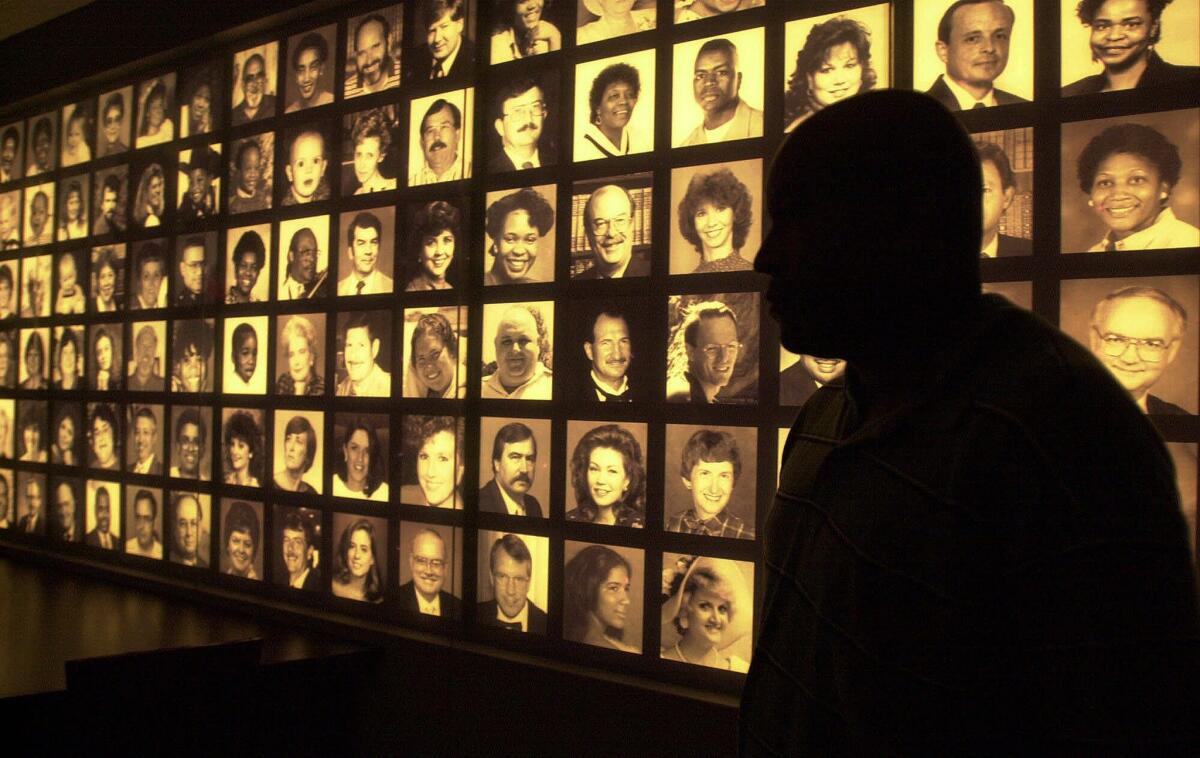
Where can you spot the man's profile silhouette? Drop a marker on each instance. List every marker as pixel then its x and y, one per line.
pixel 977 545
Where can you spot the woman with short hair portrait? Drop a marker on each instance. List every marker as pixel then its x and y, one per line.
pixel 516 223
pixel 240 537
pixel 67 375
pixel 522 30
pixel 596 598
pixel 150 203
pixel 243 450
pixel 1128 172
pixel 359 472
pixel 715 217
pixel 35 357
pixel 73 223
pixel 371 136
pixel 102 438
pixel 105 349
pixel 299 451
pixel 437 228
pixel 107 269
pixel 356 575
pixel 611 100
pixel 707 610
pixel 436 367
pixel 8 363
pixel 300 376
pixel 62 450
pixel 31 421
pixel 834 64
pixel 614 18
pixel 609 478
pixel 156 126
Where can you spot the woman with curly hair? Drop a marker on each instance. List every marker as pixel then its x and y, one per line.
pixel 149 202
pixel 522 30
pixel 35 358
pixel 435 447
pixel 356 574
pixel 372 138
pixel 611 101
pixel 609 478
pixel 596 598
pixel 300 375
pixel 243 450
pixel 106 269
pixel 106 369
pixel 834 64
pixel 715 217
pixel 359 473
pixel 436 230
pixel 516 224
pixel 156 127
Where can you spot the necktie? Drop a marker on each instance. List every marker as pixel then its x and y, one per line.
pixel 360 287
pixel 527 164
pixel 438 72
pixel 978 106
pixel 1110 246
pixel 514 626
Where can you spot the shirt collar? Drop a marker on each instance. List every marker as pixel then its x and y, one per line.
pixel 1141 240
pixel 521 618
pixel 966 101
pixel 430 607
pixel 512 506
pixel 517 162
pixel 602 390
pixel 449 62
pixel 299 581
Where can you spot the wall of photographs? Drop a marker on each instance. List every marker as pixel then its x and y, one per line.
pixel 441 313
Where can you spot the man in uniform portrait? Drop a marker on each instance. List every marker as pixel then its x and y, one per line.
pixel 972 41
pixel 514 466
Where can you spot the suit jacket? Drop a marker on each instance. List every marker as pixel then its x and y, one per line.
pixel 547 156
pixel 266 109
pixel 93 538
pixel 639 265
pixel 490 501
pixel 1156 406
pixel 420 62
pixel 24 524
pixel 1157 74
pixel 1010 246
pixel 485 615
pixel 941 92
pixel 451 606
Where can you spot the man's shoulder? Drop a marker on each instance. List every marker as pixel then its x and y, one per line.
pixel 501 162
pixel 1012 246
pixel 489 498
pixel 940 91
pixel 1007 98
pixel 1156 406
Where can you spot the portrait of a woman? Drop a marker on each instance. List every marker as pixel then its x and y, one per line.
pixel 436 230
pixel 66 371
pixel 150 201
pixel 62 449
pixel 706 611
pixel 834 64
pixel 240 536
pixel 156 127
pixel 31 423
pixel 1128 172
pixel 300 346
pixel 243 456
pixel 596 598
pixel 611 101
pixel 102 438
pixel 435 445
pixel 435 368
pixel 356 575
pixel 35 363
pixel 198 103
pixel 715 216
pixel 105 376
pixel 106 270
pixel 609 478
pixel 614 18
pixel 73 224
pixel 522 30
pixel 299 453
pixel 516 224
pixel 359 472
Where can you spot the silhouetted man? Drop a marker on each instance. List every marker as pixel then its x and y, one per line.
pixel 977 545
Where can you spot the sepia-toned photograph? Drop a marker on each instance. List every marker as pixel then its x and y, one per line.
pixel 201 99
pixel 79 124
pixel 251 173
pixel 611 223
pixel 696 10
pixel 306 158
pixel 9 291
pixel 243 446
pixel 110 199
pixel 12 155
pixel 156 109
pixel 39 215
pixel 189 526
pixel 434 352
pixel 718 214
pixel 192 355
pixel 442 132
pixel 245 373
pixel 30 510
pixel 975 55
pixel 598 20
pixel 150 191
pixel 247 273
pixel 519 479
pixel 430 569
pixel 10 220
pixel 363 361
pixel 1017 293
pixel 370 151
pixel 191 440
pixel 104 436
pixel 31 431
pixel 70 291
pixel 707 609
pixel 602 595
pixel 606 476
pixel 800 376
pixel 66 430
pixel 361 462
pixel 73 208
pixel 717 94
pixel 303 260
pixel 144 446
pixel 113 127
pixel 433 461
pixel 253 87
pixel 367 267
pixel 148 286
pixel 711 491
pixel 520 236
pixel 106 357
pixel 517 352
pixel 66 509
pixel 299 355
pixel 8 505
pixel 144 516
pixel 441 40
pixel 1131 183
pixel 524 28
pixel 108 278
pixel 196 270
pixel 311 69
pixel 241 545
pixel 360 560
pixel 606 359
pixel 712 348
pixel 8 423
pixel 34 367
pixel 435 246
pixel 1142 330
pixel 198 185
pixel 525 116
pixel 374 42
pixel 1006 161
pixel 512 582
pixel 297 552
pixel 299 451
pixel 614 106
pixel 35 285
pixel 40 153
pixel 102 520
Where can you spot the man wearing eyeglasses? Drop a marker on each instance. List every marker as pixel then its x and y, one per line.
pixel 1136 333
pixel 303 280
pixel 710 335
pixel 511 569
pixel 110 126
pixel 716 84
pixel 520 117
pixel 608 224
pixel 423 593
pixel 192 259
pixel 256 101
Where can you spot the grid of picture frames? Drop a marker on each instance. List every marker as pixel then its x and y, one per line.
pixel 204 260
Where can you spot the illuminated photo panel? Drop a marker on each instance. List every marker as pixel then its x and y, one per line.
pixel 435 245
pixel 143 450
pixel 1141 329
pixel 517 342
pixel 367 266
pixel 1131 183
pixel 695 10
pixel 12 154
pixel 434 352
pixel 34 365
pixel 717 92
pixel 198 185
pixel 39 215
pixel 603 595
pixel 361 463
pixel 299 355
pixel 67 434
pixel 241 545
pixel 829 58
pixel 189 528
pixel 73 208
pixel 247 269
pixel 1006 161
pixel 308 151
pixel 9 289
pixel 10 220
pixel 433 461
pixel 614 106
pixel 514 466
pixel 150 207
pixel 31 502
pixel 363 363
pixel 79 123
pixel 102 521
pixel 247 340
pixel 191 442
pixel 35 285
pixel 8 509
pixel 718 215
pixel 113 125
pixel 299 464
pixel 524 28
pixel 303 258
pixel 360 558
pixel 104 436
pixel 1110 45
pixel 40 153
pixel 441 40
pixel 8 424
pixel 513 581
pixel 296 548
pixel 370 151
pixel 243 446
pixel 430 569
pixel 977 56
pixel 707 611
pixel 252 89
pixel 800 376
pixel 70 286
pixel 156 109
pixel 31 431
pixel 606 473
pixel 712 348
pixel 196 270
pixel 710 474
pixel 605 357
pixel 108 278
pixel 311 68
pixel 525 116
pixel 149 281
pixel 520 235
pixel 251 173
pixel 66 509
pixel 598 20
pixel 441 129
pixel 373 46
pixel 192 342
pixel 1018 293
pixel 201 99
pixel 144 515
pixel 110 201
pixel 611 224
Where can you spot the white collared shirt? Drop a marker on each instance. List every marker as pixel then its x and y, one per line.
pixel 967 101
pixel 429 607
pixel 143 467
pixel 446 64
pixel 521 618
pixel 426 175
pixel 1167 231
pixel 513 508
pixel 519 163
pixel 375 283
pixel 601 387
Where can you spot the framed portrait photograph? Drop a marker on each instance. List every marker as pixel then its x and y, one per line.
pixel 303 258
pixel 247 268
pixel 712 348
pixel 374 42
pixel 201 99
pixel 367 267
pixel 106 357
pixel 434 352
pixel 525 116
pixel 108 278
pixel 102 517
pixel 198 185
pixel 717 93
pixel 8 501
pixel 34 369
pixel 192 355
pixel 12 152
pixel 363 361
pixel 196 270
pixel 602 595
pixel 522 29
pixel 435 245
pixel 950 60
pixel 299 355
pixel 66 509
pixel 512 581
pixel 70 283
pixel 104 436
pixel 8 425
pixel 10 281
pixel 149 280
pixel 39 215
pixel 191 442
pixel 251 173
pixel 297 548
pixel 606 473
pixel 710 473
pixel 39 147
pixel 66 433
pixel 110 200
pixel 156 110
pixel 253 87
pixel 441 40
pixel 150 194
pixel 1006 161
pixel 10 220
pixel 114 122
pixel 361 464
pixel 520 235
pixel 73 207
pixel 517 350
pixel 311 69
pixel 79 124
pixel 144 507
pixel 304 175
pixel 614 106
pixel 433 463
pixel 611 227
pixel 242 545
pixel 31 506
pixel 694 589
pixel 430 569
pixel 144 424
pixel 299 464
pixel 514 466
pixel 146 368
pixel 370 151
pixel 190 530
pixel 359 564
pixel 243 446
pixel 718 215
pixel 605 353
pixel 246 338
pixel 31 431
pixel 442 130
pixel 598 20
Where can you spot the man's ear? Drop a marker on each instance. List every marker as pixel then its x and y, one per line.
pixel 500 128
pixel 687 483
pixel 287 170
pixel 587 350
pixel 1009 194
pixel 943 50
pixel 374 349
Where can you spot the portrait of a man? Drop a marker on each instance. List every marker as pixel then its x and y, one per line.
pixel 190 442
pixel 517 352
pixel 144 447
pixel 364 352
pixel 189 529
pixel 713 461
pixel 373 52
pixel 370 240
pixel 515 470
pixel 507 575
pixel 148 289
pixel 1137 44
pixel 310 69
pixel 720 100
pixel 102 522
pixel 110 198
pixel 442 46
pixel 144 519
pixel 1003 205
pixel 712 349
pixel 304 258
pixel 604 361
pixel 615 227
pixel 253 91
pixel 440 149
pixel 524 127
pixel 65 509
pixel 246 272
pixel 31 497
pixel 297 564
pixel 195 261
pixel 972 45
pixel 251 173
pixel 432 569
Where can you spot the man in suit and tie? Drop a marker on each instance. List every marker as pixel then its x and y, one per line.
pixel 424 593
pixel 973 38
pixel 447 50
pixel 31 522
pixel 64 513
pixel 102 536
pixel 998 193
pixel 188 522
pixel 299 549
pixel 363 238
pixel 511 568
pixel 514 465
pixel 520 111
pixel 608 224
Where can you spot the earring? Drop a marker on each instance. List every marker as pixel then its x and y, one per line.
pixel 683 622
pixel 1091 204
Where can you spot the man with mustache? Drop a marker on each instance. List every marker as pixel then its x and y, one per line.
pixel 424 593
pixel 520 341
pixel 375 66
pixel 308 66
pixel 609 351
pixel 514 466
pixel 110 218
pixel 716 84
pixel 299 539
pixel 608 224
pixel 302 280
pixel 363 238
pixel 520 112
pixel 447 50
pixel 972 41
pixel 256 102
pixel 441 128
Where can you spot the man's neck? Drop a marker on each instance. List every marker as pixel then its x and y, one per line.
pixel 525 154
pixel 440 167
pixel 975 90
pixel 423 596
pixel 616 385
pixel 717 119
